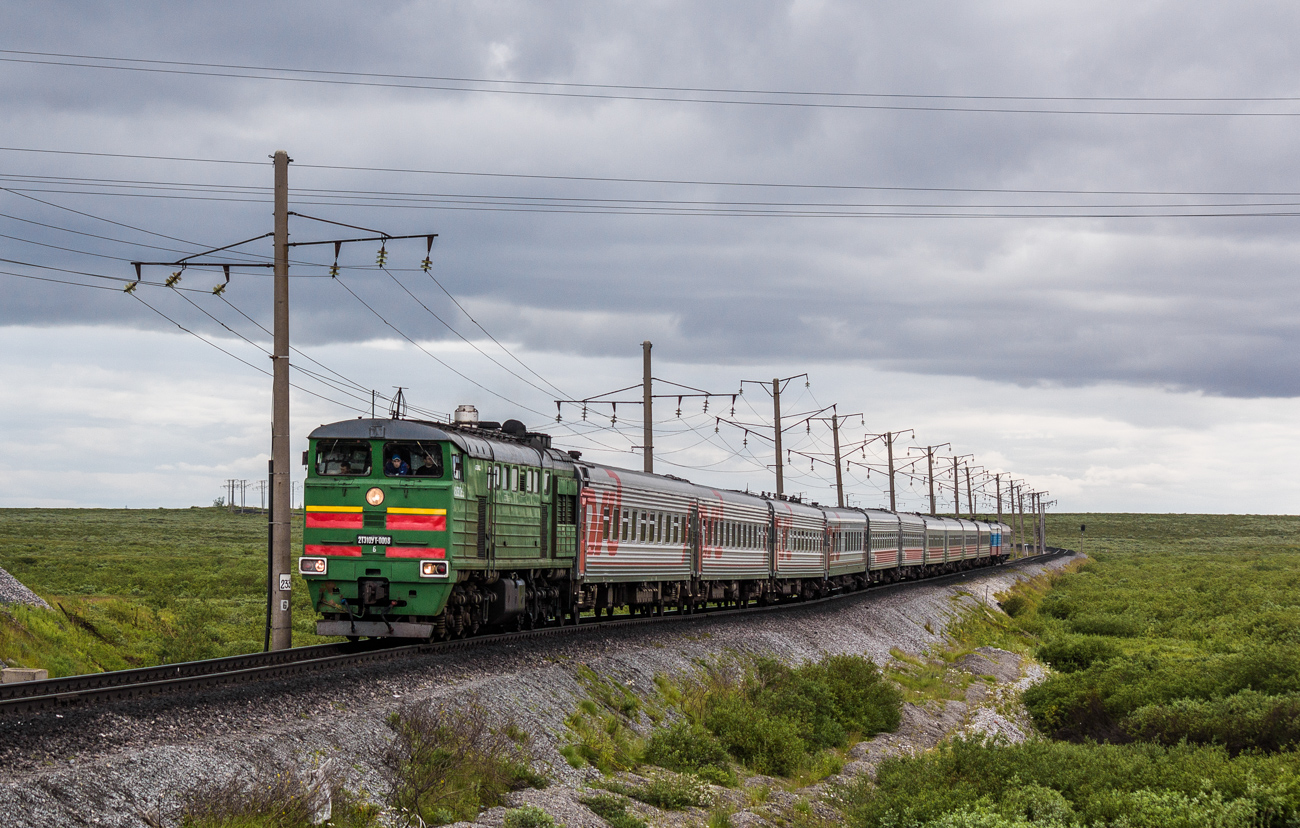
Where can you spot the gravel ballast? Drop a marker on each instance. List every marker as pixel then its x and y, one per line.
pixel 12 591
pixel 106 766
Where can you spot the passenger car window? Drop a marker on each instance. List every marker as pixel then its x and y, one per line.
pixel 345 458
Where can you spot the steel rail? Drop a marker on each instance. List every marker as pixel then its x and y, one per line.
pixel 124 685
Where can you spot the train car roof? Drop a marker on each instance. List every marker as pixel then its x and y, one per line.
pixel 794 507
pixel 644 480
pixel 881 516
pixel 844 515
pixel 484 446
pixel 906 519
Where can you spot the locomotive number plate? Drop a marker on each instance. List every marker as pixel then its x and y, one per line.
pixel 375 540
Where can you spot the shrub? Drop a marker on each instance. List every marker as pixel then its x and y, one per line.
pixel 686 747
pixel 1118 626
pixel 447 765
pixel 1014 605
pixel 1239 722
pixel 528 817
pixel 1046 782
pixel 765 743
pixel 612 809
pixel 1073 653
pixel 776 716
pixel 671 792
pixel 603 740
pixel 270 796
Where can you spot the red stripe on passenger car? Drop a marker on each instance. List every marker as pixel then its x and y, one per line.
pixel 333 520
pixel 414 552
pixel 327 551
pixel 424 523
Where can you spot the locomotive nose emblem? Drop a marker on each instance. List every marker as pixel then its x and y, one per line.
pixel 375 496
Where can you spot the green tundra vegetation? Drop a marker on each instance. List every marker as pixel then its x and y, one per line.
pixel 1174 698
pixel 138 587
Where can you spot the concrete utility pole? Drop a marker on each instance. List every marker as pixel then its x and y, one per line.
pixel 839 477
pixel 929 460
pixel 889 443
pixel 970 497
pixel 929 457
pixel 997 479
pixel 956 487
pixel 956 490
pixel 1020 496
pixel 1033 506
pixel 776 422
pixel 647 439
pixel 1042 522
pixel 281 511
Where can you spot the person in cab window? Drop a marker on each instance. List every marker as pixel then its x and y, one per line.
pixel 397 467
pixel 429 467
pixel 345 467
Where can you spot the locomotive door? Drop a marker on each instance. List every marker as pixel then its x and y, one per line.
pixel 771 540
pixel 548 530
pixel 697 565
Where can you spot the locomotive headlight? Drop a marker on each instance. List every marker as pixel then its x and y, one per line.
pixel 433 569
pixel 311 566
pixel 375 496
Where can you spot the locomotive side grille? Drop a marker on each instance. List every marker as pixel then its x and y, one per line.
pixel 482 527
pixel 546 529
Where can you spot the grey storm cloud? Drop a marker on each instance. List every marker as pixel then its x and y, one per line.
pixel 1188 303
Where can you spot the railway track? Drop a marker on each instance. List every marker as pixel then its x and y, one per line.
pixel 59 694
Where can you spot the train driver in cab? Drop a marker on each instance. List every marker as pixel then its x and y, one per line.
pixel 397 467
pixel 429 466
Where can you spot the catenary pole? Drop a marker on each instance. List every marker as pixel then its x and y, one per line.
pixel 839 477
pixel 956 490
pixel 970 497
pixel 1020 496
pixel 281 511
pixel 647 439
pixel 889 442
pixel 776 420
pixel 929 457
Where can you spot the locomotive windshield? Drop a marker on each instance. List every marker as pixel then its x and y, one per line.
pixel 413 458
pixel 347 458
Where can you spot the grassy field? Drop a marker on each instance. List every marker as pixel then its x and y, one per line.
pixel 1175 696
pixel 137 587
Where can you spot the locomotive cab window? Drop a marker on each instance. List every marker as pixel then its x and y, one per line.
pixel 413 458
pixel 345 458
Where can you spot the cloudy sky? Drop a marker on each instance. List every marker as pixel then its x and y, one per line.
pixel 1057 239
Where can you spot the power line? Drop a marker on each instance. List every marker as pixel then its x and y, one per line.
pixel 620 92
pixel 400 333
pixel 463 338
pixel 632 206
pixel 673 181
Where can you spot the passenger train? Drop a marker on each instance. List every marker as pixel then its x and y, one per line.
pixel 427 530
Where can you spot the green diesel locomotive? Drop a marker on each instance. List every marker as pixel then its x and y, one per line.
pixel 426 530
